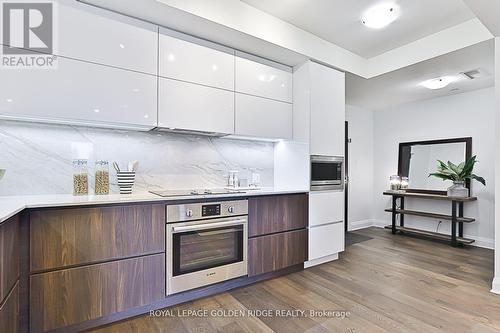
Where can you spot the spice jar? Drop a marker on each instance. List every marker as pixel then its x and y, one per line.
pixel 101 177
pixel 80 177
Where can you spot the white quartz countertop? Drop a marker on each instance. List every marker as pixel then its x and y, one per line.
pixel 11 205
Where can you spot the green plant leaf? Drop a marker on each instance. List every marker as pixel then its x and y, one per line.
pixel 479 179
pixel 441 176
pixel 460 172
pixel 468 167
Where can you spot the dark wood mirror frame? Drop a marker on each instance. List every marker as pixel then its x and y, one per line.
pixel 402 145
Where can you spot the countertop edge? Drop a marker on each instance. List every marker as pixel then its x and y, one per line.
pixel 10 206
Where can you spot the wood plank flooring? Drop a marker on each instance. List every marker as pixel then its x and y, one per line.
pixel 387 284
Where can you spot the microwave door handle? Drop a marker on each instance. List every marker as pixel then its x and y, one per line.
pixel 208 226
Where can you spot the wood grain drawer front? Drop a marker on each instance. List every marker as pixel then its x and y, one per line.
pixel 74 295
pixel 274 252
pixel 9 312
pixel 9 255
pixel 72 237
pixel 271 214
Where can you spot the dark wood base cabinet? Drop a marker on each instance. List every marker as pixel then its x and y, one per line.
pixel 61 238
pixel 274 252
pixel 277 230
pixel 66 297
pixel 9 275
pixel 9 312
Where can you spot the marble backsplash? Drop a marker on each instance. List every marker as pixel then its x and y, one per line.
pixel 38 158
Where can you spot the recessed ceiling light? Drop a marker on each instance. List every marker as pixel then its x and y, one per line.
pixel 122 46
pixel 97 110
pixel 9 100
pixel 380 16
pixel 438 83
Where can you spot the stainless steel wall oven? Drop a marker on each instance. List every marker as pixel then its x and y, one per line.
pixel 206 243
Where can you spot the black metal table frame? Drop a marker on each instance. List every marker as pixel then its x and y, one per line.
pixel 454 216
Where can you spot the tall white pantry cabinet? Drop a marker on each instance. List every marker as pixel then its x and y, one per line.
pixel 319 120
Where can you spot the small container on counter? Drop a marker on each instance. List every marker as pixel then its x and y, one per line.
pixel 101 177
pixel 80 177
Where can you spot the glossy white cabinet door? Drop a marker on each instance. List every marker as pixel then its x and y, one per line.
pixel 80 93
pixel 261 80
pixel 194 107
pixel 194 63
pixel 325 207
pixel 326 240
pixel 93 34
pixel 327 111
pixel 263 118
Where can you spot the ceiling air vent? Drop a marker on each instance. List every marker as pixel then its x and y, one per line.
pixel 473 74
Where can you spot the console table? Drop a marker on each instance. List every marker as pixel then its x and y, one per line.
pixel 456 217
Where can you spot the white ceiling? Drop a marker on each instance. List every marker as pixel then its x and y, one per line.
pixel 487 11
pixel 403 86
pixel 338 21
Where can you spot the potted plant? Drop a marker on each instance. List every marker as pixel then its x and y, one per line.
pixel 458 174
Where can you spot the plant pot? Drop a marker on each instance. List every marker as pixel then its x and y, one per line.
pixel 458 189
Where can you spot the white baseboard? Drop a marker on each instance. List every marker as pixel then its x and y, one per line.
pixel 321 260
pixel 356 225
pixel 379 223
pixel 495 285
pixel 483 242
pixel 487 243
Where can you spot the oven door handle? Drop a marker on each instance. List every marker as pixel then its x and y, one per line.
pixel 208 226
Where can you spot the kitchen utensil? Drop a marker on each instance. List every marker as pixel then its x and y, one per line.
pixel 135 165
pixel 117 168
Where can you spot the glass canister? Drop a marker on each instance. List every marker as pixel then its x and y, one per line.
pixel 101 177
pixel 405 181
pixel 395 182
pixel 80 177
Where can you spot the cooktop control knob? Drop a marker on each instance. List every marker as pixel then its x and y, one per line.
pixel 189 213
pixel 230 209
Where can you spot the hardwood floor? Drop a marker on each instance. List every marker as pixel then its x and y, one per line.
pixel 388 284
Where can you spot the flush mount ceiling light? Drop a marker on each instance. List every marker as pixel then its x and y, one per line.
pixel 438 83
pixel 380 16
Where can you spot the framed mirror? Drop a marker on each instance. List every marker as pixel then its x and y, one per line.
pixel 418 159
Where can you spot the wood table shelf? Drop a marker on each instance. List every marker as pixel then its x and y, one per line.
pixel 435 235
pixel 456 217
pixel 431 215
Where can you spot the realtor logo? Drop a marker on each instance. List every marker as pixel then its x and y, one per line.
pixel 28 34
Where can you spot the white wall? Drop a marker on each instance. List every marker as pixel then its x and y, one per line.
pixel 496 281
pixel 360 167
pixel 468 114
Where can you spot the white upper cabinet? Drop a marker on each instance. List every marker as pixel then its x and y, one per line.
pixel 187 61
pixel 189 106
pixel 327 104
pixel 262 117
pixel 80 93
pixel 93 34
pixel 261 80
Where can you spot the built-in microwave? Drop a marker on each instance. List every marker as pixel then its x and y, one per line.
pixel 327 173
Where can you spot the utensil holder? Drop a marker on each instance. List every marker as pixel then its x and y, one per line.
pixel 126 180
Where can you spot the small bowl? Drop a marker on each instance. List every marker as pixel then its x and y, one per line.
pixel 2 173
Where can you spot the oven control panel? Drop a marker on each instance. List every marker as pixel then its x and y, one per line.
pixel 210 210
pixel 206 210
